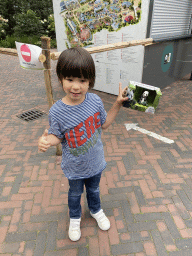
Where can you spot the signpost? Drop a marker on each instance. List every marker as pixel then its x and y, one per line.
pixel 29 56
pixel 34 57
pixel 25 52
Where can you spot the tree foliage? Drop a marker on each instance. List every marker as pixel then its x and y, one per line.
pixel 3 27
pixel 27 23
pixel 28 11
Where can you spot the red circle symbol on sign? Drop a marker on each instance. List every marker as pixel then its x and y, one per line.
pixel 25 53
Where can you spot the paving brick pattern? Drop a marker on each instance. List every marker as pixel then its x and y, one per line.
pixel 146 189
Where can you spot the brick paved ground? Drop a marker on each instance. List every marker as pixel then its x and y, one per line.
pixel 146 189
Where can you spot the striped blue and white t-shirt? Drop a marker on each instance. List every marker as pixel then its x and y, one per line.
pixel 80 128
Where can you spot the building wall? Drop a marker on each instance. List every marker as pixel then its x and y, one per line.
pixel 170 58
pixel 160 73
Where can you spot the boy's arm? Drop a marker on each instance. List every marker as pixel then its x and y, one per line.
pixel 115 108
pixel 47 140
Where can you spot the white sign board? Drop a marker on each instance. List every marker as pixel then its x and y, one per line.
pixel 29 56
pixel 90 23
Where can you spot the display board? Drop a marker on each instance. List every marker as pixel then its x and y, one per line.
pixel 90 23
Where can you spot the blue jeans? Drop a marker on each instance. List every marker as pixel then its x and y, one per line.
pixel 76 188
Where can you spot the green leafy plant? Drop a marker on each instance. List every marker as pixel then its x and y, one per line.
pixel 3 27
pixel 9 41
pixel 28 24
pixel 51 26
pixel 26 21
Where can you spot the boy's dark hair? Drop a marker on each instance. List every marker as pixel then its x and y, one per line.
pixel 76 62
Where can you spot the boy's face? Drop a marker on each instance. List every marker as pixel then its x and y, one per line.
pixel 75 89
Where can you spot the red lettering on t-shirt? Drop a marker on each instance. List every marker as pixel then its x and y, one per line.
pixel 78 135
pixel 71 139
pixel 89 126
pixel 97 120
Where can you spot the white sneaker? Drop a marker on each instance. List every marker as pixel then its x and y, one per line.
pixel 74 229
pixel 102 221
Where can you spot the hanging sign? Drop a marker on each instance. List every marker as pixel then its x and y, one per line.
pixel 29 56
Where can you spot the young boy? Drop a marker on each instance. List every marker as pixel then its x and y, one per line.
pixel 76 122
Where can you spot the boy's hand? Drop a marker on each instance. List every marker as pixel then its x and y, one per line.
pixel 116 107
pixel 43 144
pixel 122 93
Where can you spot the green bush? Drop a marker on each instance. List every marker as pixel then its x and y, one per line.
pixel 29 28
pixel 9 41
pixel 53 43
pixel 28 24
pixel 51 26
pixel 3 27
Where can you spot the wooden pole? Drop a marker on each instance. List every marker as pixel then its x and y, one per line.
pixel 110 47
pixel 13 52
pixel 45 44
pixel 9 51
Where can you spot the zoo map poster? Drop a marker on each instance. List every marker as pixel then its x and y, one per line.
pixel 90 23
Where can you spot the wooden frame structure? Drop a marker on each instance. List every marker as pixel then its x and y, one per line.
pixel 46 57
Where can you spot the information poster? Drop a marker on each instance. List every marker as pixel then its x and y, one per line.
pixel 90 23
